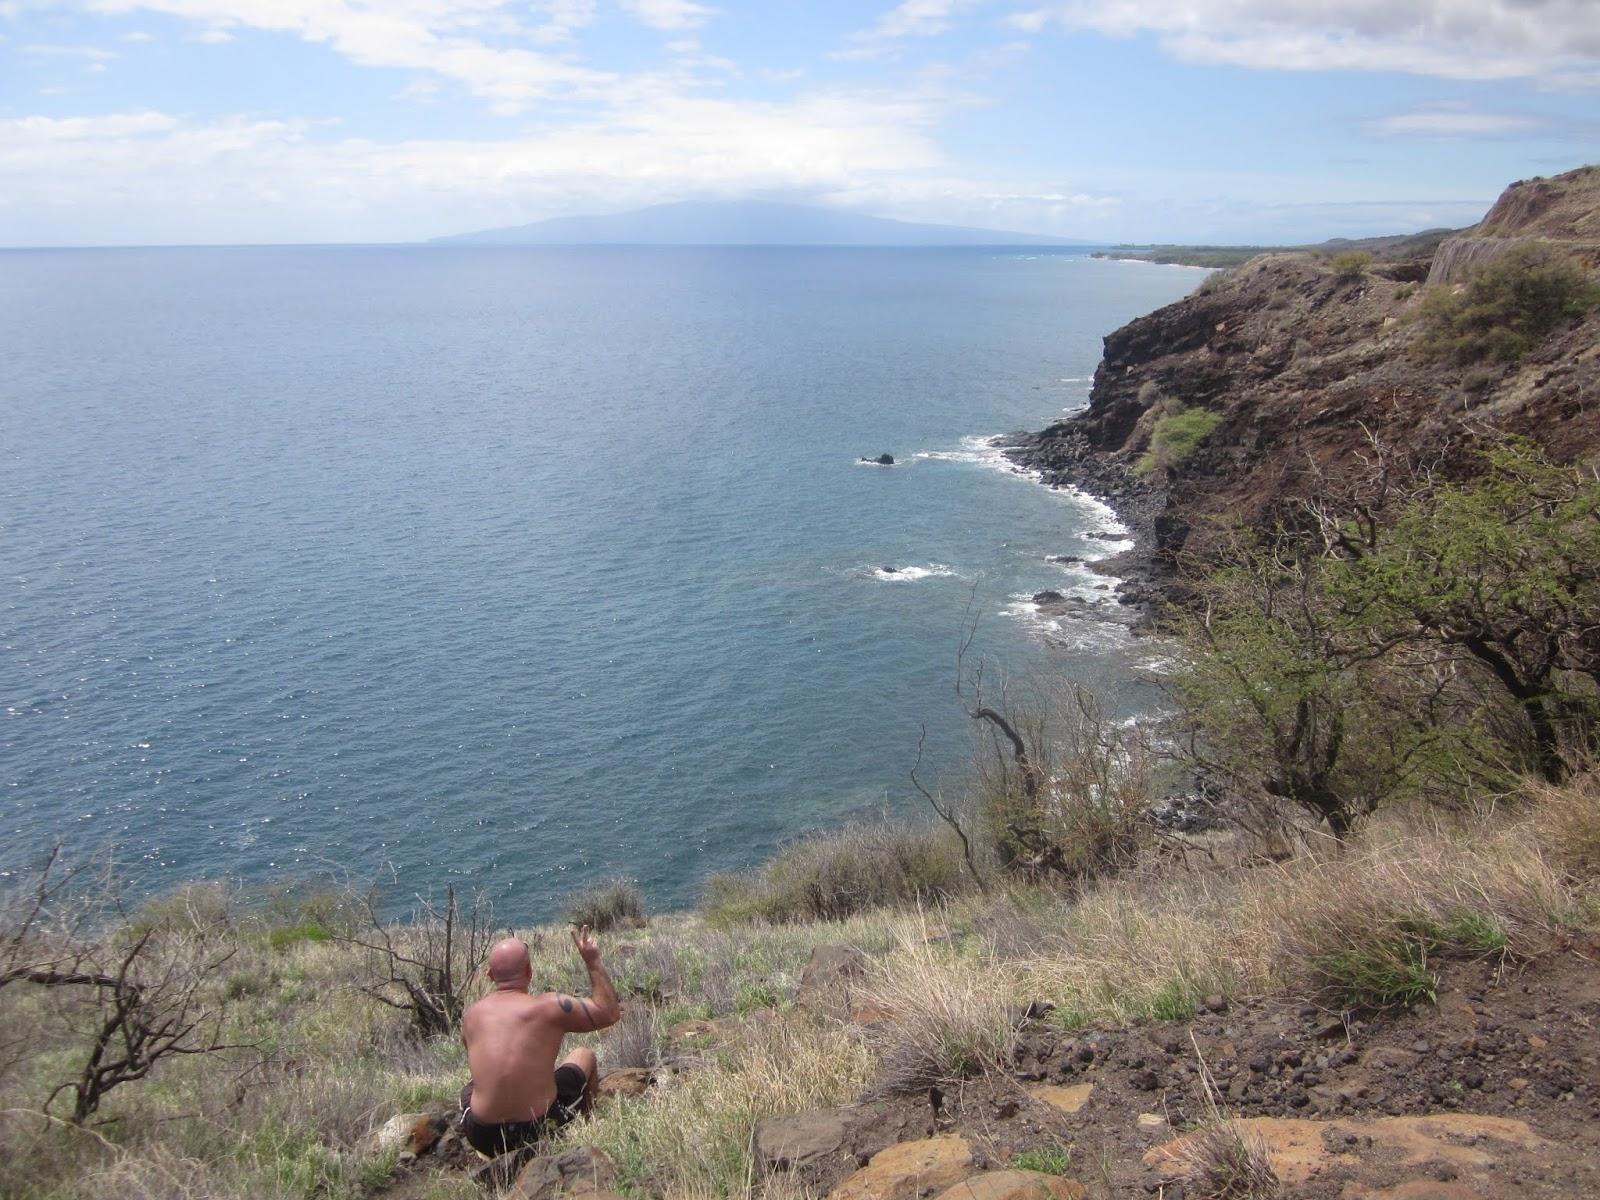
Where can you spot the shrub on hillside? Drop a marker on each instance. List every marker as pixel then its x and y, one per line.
pixel 1352 265
pixel 1176 436
pixel 829 876
pixel 1506 308
pixel 613 904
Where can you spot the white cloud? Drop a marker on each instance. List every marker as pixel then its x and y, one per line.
pixel 911 18
pixel 1449 123
pixel 138 35
pixel 19 134
pixel 445 37
pixel 250 180
pixel 1458 39
pixel 670 15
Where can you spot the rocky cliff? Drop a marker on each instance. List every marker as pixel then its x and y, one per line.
pixel 1305 362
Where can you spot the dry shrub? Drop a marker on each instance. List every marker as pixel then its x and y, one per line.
pixel 949 1015
pixel 631 1042
pixel 830 876
pixel 1070 802
pixel 613 904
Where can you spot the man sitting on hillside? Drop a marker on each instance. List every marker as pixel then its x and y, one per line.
pixel 517 1092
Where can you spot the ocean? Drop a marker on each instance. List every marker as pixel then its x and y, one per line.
pixel 522 568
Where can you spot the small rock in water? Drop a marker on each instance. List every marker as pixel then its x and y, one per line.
pixel 883 460
pixel 890 570
pixel 1048 597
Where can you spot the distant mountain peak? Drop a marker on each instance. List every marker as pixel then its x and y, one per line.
pixel 743 223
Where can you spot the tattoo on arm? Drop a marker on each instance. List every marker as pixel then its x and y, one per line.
pixel 566 1003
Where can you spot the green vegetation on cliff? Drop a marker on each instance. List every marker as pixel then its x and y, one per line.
pixel 1506 307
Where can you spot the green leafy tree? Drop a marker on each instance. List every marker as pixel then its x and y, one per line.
pixel 1420 649
pixel 1504 571
pixel 1293 700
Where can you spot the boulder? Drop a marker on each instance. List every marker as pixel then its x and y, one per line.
pixel 882 460
pixel 1014 1185
pixel 797 1140
pixel 829 979
pixel 1048 596
pixel 579 1171
pixel 409 1133
pixel 625 1081
pixel 1061 1097
pixel 908 1170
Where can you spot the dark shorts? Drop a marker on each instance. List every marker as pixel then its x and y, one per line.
pixel 502 1137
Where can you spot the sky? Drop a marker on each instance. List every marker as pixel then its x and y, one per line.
pixel 150 122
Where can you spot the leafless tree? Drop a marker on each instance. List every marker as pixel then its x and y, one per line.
pixel 426 965
pixel 131 998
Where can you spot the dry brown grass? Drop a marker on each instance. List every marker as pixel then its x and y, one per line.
pixel 951 1014
pixel 1565 822
pixel 690 1135
pixel 1225 1161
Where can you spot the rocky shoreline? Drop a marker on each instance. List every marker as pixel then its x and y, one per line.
pixel 1062 457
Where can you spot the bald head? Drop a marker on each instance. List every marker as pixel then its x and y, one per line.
pixel 509 966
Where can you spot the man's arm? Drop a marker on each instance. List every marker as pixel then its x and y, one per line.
pixel 601 1009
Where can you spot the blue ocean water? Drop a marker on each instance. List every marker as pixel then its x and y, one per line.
pixel 523 566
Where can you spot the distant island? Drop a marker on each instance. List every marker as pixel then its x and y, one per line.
pixel 744 223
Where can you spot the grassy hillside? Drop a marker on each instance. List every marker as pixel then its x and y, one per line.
pixel 317 1065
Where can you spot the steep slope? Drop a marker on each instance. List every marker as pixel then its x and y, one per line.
pixel 1305 367
pixel 1561 209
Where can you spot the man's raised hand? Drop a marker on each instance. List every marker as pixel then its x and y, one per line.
pixel 584 941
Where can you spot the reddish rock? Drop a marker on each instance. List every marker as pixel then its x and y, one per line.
pixel 908 1170
pixel 1014 1185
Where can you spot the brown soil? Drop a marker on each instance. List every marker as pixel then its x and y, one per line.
pixel 1493 1093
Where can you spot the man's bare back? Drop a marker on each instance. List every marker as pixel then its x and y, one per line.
pixel 513 1038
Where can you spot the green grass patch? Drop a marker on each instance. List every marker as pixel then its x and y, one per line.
pixel 1175 437
pixel 1175 1001
pixel 685 1012
pixel 310 931
pixel 1352 265
pixel 1047 1160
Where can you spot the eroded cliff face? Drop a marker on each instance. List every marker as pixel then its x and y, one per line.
pixel 1307 368
pixel 1560 209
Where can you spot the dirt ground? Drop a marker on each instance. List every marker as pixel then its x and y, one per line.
pixel 1493 1093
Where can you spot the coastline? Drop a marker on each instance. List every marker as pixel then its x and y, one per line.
pixel 1060 457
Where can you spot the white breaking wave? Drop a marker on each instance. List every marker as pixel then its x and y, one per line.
pixel 1073 631
pixel 911 574
pixel 983 451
